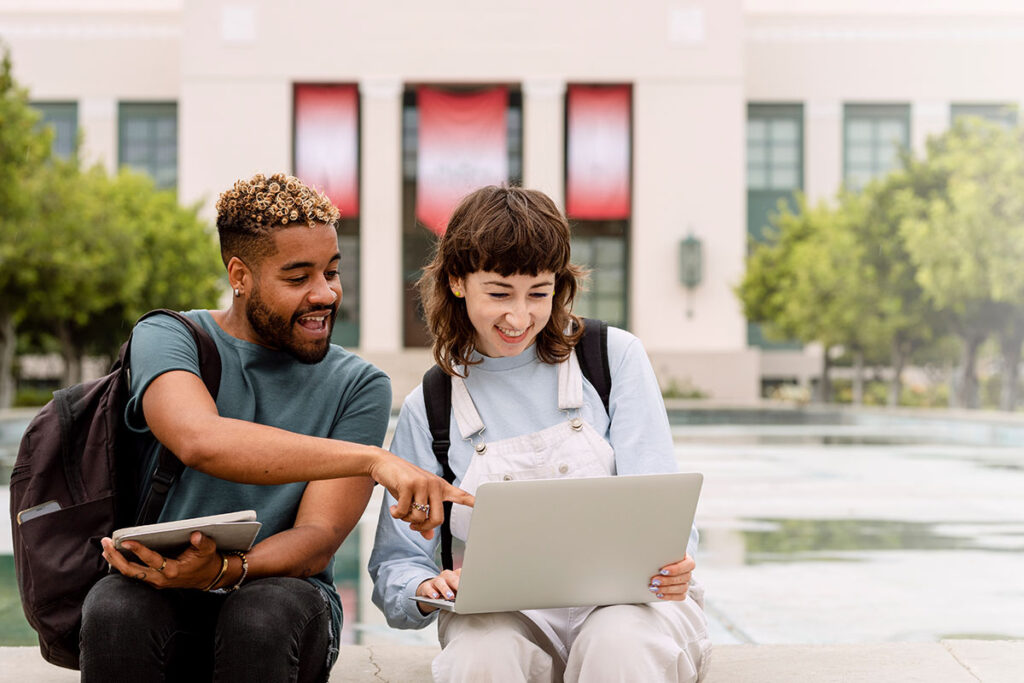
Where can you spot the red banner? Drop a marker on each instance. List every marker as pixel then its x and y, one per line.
pixel 463 145
pixel 327 142
pixel 597 183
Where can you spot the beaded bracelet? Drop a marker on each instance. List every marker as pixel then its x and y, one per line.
pixel 220 574
pixel 245 570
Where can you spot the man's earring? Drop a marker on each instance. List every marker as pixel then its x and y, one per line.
pixel 238 293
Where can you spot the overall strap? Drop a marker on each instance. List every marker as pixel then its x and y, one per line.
pixel 169 468
pixel 592 351
pixel 437 399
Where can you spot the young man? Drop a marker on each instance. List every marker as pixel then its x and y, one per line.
pixel 294 434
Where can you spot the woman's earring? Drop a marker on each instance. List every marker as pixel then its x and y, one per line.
pixel 458 294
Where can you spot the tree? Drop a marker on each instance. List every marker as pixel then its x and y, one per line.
pixel 966 238
pixel 905 318
pixel 116 248
pixel 803 283
pixel 24 149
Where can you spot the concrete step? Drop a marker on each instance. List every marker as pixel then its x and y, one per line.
pixel 952 661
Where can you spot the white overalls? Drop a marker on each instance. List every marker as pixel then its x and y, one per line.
pixel 664 641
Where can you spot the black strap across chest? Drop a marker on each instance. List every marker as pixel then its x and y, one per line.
pixel 592 353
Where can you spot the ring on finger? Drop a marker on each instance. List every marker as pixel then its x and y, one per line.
pixel 424 508
pixel 162 565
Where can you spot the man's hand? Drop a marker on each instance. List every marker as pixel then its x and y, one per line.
pixel 673 581
pixel 420 495
pixel 196 567
pixel 445 584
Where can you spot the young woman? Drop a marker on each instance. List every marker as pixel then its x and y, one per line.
pixel 498 298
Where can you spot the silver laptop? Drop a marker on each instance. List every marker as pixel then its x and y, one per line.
pixel 572 542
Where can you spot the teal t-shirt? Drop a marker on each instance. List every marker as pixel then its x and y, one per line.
pixel 341 397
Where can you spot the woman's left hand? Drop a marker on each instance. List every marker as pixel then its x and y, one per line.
pixel 673 581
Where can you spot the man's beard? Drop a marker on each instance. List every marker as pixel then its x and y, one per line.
pixel 278 332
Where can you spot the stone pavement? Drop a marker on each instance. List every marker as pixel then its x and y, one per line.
pixel 952 661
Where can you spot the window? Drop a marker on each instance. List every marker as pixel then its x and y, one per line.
pixel 775 173
pixel 417 241
pixel 604 295
pixel 148 140
pixel 775 160
pixel 325 154
pixel 63 116
pixel 346 326
pixel 1005 114
pixel 598 181
pixel 873 136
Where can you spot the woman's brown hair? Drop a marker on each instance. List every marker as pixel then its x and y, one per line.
pixel 509 231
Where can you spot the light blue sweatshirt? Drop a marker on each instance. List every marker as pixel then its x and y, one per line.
pixel 515 396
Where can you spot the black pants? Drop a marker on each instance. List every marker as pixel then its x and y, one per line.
pixel 275 629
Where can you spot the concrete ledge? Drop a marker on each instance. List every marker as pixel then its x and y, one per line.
pixel 949 661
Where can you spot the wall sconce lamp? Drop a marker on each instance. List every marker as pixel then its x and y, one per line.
pixel 691 268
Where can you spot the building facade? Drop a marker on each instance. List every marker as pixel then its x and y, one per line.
pixel 706 112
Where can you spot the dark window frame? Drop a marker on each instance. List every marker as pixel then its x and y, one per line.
pixel 152 112
pixel 592 232
pixel 347 331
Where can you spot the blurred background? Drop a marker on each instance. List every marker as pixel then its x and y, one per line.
pixel 811 213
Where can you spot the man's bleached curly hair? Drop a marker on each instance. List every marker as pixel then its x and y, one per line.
pixel 249 213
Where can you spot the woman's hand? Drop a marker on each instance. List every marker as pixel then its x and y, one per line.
pixel 443 586
pixel 673 581
pixel 196 567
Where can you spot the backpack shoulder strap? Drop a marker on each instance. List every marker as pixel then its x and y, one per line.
pixel 592 353
pixel 209 357
pixel 169 468
pixel 437 399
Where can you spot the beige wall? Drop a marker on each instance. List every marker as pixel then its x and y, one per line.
pixel 685 62
pixel 688 179
pixel 693 65
pixel 97 55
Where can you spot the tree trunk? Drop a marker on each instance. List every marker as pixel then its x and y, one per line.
pixel 858 378
pixel 898 359
pixel 967 391
pixel 954 384
pixel 71 355
pixel 1010 343
pixel 825 385
pixel 8 343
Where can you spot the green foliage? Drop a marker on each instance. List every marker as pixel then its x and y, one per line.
pixel 875 393
pixel 24 149
pixel 31 397
pixel 684 389
pixel 805 283
pixel 83 254
pixel 113 249
pixel 930 396
pixel 966 236
pixel 890 271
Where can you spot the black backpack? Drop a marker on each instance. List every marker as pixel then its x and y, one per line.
pixel 592 353
pixel 75 480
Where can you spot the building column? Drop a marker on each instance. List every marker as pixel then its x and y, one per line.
pixel 927 118
pixel 823 149
pixel 544 137
pixel 97 119
pixel 380 234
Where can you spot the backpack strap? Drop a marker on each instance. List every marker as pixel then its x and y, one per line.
pixel 437 399
pixel 169 468
pixel 592 353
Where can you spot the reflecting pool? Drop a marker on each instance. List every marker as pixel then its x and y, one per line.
pixel 817 526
